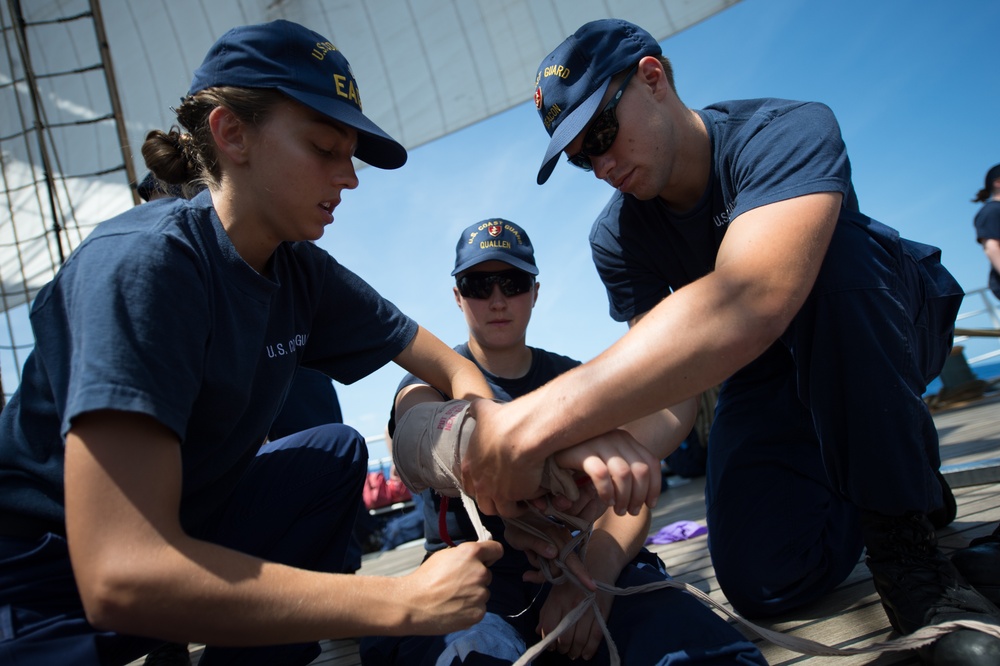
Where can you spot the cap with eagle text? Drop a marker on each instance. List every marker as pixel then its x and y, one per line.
pixel 305 66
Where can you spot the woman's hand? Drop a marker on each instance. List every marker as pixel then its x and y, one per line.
pixel 624 472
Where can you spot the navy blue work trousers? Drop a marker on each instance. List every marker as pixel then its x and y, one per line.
pixel 295 505
pixel 828 422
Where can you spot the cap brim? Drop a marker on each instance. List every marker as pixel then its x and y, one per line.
pixel 567 130
pixel 498 256
pixel 375 147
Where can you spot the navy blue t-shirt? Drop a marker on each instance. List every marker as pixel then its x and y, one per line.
pixel 763 151
pixel 311 401
pixel 545 366
pixel 988 226
pixel 157 313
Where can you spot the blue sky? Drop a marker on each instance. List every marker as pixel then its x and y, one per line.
pixel 910 83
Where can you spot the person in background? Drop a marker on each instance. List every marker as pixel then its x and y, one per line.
pixel 139 499
pixel 987 223
pixel 496 289
pixel 734 246
pixel 980 561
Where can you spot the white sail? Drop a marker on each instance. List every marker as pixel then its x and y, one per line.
pixel 426 68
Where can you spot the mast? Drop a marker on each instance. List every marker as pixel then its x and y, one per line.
pixel 19 25
pixel 53 202
pixel 116 103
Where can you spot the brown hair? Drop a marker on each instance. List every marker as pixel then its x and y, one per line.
pixel 989 187
pixel 188 158
pixel 669 69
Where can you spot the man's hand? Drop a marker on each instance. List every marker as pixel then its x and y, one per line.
pixel 624 472
pixel 449 590
pixel 493 471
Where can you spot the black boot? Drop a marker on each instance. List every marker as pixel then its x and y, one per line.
pixel 980 564
pixel 920 586
pixel 941 518
pixel 169 654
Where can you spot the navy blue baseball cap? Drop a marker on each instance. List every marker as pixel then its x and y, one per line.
pixel 495 239
pixel 304 65
pixel 572 80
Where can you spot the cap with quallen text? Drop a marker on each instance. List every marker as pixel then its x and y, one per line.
pixel 495 239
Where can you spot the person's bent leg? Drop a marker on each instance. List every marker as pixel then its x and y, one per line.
pixel 490 642
pixel 867 341
pixel 42 620
pixel 865 344
pixel 400 650
pixel 779 535
pixel 295 505
pixel 669 626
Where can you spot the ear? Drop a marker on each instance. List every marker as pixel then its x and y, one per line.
pixel 650 72
pixel 229 133
pixel 458 298
pixel 534 295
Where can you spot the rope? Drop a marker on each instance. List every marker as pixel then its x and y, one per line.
pixel 435 435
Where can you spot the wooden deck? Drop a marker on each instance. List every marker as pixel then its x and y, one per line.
pixel 852 614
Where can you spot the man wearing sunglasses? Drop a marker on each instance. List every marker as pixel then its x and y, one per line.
pixel 496 290
pixel 735 248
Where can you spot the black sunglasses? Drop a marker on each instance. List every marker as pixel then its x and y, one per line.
pixel 603 130
pixel 480 285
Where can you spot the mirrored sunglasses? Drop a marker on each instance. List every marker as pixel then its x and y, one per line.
pixel 480 285
pixel 603 131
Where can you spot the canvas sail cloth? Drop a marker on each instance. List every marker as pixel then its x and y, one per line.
pixel 426 68
pixel 430 441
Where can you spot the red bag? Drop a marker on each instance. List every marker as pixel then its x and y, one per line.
pixel 380 491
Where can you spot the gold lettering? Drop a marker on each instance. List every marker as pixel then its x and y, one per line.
pixel 321 49
pixel 355 94
pixel 553 113
pixel 557 70
pixel 514 231
pixel 345 88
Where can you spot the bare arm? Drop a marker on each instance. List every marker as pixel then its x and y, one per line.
pixel 609 457
pixel 624 464
pixel 613 543
pixel 441 366
pixel 616 539
pixel 692 340
pixel 139 573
